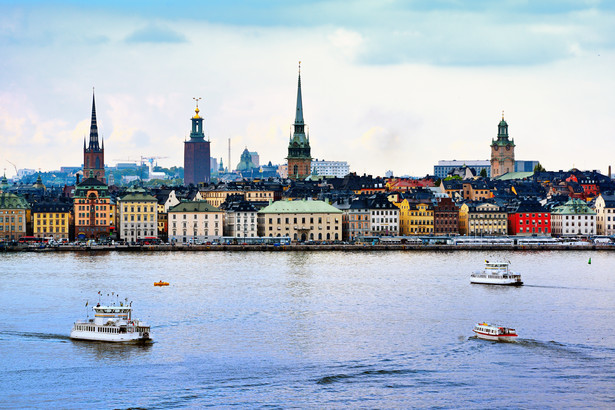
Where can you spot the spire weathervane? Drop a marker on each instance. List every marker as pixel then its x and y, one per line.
pixel 502 114
pixel 197 101
pixel 299 67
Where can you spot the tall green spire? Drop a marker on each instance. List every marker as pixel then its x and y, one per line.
pixel 299 114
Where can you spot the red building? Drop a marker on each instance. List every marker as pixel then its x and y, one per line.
pixel 445 217
pixel 529 218
pixel 196 154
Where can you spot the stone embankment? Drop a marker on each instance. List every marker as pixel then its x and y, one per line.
pixel 308 248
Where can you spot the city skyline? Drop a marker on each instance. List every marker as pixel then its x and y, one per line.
pixel 430 86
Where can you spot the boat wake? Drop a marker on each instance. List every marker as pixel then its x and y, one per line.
pixel 32 335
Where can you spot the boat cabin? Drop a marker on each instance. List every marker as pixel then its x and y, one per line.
pixel 104 314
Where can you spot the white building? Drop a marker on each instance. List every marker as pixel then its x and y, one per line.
pixel 241 220
pixel 195 222
pixel 383 217
pixel 572 219
pixel 337 169
pixel 605 215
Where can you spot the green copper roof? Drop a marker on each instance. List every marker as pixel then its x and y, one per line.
pixel 137 195
pixel 514 175
pixel 574 207
pixel 194 206
pixel 12 201
pixel 299 207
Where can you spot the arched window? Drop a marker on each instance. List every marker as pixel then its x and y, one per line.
pixel 97 162
pixel 295 170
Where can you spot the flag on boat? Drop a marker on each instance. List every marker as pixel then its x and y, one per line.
pixel 86 303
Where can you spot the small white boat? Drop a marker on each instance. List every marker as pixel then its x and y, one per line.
pixel 112 324
pixel 494 332
pixel 496 273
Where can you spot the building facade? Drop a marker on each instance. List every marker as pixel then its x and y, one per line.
pixel 299 159
pixel 241 220
pixel 337 169
pixel 52 220
pixel 195 222
pixel 138 215
pixel 502 151
pixel 196 153
pixel 446 217
pixel 358 220
pixel 301 221
pixel 529 218
pixel 605 214
pixel 444 167
pixel 93 211
pixel 482 219
pixel 14 213
pixel 383 216
pixel 574 218
pixel 416 218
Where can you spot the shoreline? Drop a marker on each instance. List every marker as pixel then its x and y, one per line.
pixel 308 248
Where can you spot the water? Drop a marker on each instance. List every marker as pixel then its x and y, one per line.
pixel 325 330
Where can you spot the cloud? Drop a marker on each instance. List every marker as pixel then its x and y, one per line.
pixel 155 34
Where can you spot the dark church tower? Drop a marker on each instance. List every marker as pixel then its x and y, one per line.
pixel 196 153
pixel 94 154
pixel 299 153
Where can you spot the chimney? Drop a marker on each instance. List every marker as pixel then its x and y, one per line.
pixel 77 175
pixel 609 172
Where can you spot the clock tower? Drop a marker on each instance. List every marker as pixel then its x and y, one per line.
pixel 502 151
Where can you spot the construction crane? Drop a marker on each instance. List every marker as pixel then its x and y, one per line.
pixel 14 166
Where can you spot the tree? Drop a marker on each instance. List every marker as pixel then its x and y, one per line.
pixel 539 168
pixel 483 172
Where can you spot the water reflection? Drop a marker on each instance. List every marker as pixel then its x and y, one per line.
pixel 111 351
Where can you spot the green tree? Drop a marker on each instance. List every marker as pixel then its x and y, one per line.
pixel 483 172
pixel 539 168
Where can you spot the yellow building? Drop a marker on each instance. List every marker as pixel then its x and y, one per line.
pixel 14 214
pixel 482 219
pixel 415 218
pixel 52 220
pixel 217 197
pixel 138 215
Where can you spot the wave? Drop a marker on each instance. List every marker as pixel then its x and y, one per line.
pixel 34 335
pixel 367 373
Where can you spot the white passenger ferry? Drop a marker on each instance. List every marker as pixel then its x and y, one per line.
pixel 494 332
pixel 496 273
pixel 112 324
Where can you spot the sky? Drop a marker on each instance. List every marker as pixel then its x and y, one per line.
pixel 387 85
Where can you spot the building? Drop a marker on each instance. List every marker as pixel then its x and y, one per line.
pixel 358 220
pixel 93 210
pixel 574 218
pixel 94 154
pixel 605 215
pixel 475 190
pixel 502 151
pixel 52 220
pixel 256 160
pixel 299 157
pixel 416 218
pixel 477 218
pixel 301 221
pixel 529 218
pixel 138 215
pixel 445 217
pixel 241 219
pixel 196 153
pixel 383 216
pixel 14 214
pixel 444 167
pixel 525 166
pixel 337 169
pixel 195 222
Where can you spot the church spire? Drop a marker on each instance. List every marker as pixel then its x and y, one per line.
pixel 299 114
pixel 93 127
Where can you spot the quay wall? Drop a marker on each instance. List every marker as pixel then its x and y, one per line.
pixel 309 248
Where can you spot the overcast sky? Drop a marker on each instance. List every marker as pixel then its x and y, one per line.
pixel 387 85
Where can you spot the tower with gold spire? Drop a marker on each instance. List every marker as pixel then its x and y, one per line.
pixel 299 152
pixel 196 152
pixel 94 153
pixel 502 151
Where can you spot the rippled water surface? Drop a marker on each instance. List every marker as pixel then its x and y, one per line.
pixel 297 329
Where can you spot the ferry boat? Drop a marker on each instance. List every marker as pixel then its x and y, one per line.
pixel 112 324
pixel 494 332
pixel 496 273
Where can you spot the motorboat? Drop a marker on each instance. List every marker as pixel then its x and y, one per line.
pixel 496 273
pixel 161 283
pixel 494 332
pixel 112 324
